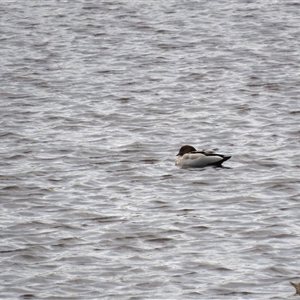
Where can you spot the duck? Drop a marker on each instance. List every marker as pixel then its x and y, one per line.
pixel 296 286
pixel 189 157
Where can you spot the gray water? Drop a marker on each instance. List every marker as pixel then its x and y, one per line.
pixel 97 97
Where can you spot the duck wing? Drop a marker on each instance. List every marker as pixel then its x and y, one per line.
pixel 219 158
pixel 201 159
pixel 206 151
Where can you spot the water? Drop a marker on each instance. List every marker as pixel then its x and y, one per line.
pixel 97 97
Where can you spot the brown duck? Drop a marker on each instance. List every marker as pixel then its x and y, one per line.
pixel 296 286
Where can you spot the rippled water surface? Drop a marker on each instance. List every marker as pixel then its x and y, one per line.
pixel 96 99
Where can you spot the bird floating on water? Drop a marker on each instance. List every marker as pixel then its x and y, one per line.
pixel 189 157
pixel 296 286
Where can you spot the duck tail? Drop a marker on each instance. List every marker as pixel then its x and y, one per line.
pixel 225 157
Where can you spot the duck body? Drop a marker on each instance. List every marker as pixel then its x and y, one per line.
pixel 189 157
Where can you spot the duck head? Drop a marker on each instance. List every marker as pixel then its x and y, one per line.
pixel 185 149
